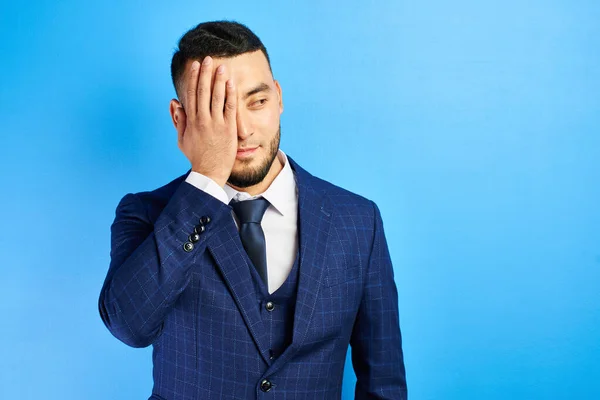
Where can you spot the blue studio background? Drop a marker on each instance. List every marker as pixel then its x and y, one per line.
pixel 473 124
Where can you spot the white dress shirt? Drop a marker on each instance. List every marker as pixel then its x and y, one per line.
pixel 280 222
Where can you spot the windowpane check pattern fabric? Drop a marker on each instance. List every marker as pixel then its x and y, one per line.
pixel 198 307
pixel 250 213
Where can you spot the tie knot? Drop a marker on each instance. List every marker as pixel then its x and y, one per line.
pixel 249 211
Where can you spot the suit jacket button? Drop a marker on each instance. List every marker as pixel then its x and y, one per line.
pixel 194 237
pixel 199 229
pixel 270 306
pixel 205 220
pixel 265 385
pixel 188 246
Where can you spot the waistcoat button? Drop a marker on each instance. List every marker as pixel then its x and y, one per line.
pixel 265 385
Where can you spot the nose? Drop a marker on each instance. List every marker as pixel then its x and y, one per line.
pixel 244 128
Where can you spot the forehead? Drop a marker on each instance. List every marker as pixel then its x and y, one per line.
pixel 246 70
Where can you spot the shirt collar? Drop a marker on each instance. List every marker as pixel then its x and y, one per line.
pixel 282 193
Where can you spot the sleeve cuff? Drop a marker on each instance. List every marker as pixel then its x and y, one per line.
pixel 207 185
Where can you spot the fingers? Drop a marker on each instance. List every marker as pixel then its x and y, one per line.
pixel 231 101
pixel 218 93
pixel 209 95
pixel 190 98
pixel 203 92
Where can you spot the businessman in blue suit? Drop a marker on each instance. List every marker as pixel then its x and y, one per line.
pixel 248 275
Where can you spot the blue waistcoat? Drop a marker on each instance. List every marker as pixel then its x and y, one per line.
pixel 277 309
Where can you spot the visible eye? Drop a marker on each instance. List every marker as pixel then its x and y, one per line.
pixel 258 103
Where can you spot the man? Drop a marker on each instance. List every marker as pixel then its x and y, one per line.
pixel 249 276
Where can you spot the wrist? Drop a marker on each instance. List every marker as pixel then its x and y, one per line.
pixel 219 179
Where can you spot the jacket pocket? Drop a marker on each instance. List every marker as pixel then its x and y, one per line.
pixel 337 276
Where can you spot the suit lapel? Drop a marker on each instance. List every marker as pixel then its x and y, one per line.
pixel 233 262
pixel 314 220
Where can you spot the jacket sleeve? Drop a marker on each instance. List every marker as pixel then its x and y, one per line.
pixel 376 341
pixel 149 266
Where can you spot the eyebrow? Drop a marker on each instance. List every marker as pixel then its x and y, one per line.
pixel 263 87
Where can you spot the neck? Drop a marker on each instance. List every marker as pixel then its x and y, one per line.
pixel 275 169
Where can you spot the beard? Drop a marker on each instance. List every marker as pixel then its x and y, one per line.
pixel 250 176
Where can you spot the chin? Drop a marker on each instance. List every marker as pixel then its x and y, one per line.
pixel 253 161
pixel 249 172
pixel 247 165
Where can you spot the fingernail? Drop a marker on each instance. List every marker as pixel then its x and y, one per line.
pixel 207 60
pixel 230 83
pixel 220 69
pixel 195 65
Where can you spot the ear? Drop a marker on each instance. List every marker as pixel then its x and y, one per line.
pixel 176 109
pixel 279 95
pixel 179 119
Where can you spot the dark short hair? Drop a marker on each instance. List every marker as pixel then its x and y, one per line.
pixel 216 39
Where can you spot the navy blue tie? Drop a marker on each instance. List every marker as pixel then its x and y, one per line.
pixel 250 214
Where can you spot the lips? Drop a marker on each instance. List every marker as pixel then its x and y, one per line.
pixel 246 152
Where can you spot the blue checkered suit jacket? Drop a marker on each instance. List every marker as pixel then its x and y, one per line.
pixel 199 311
